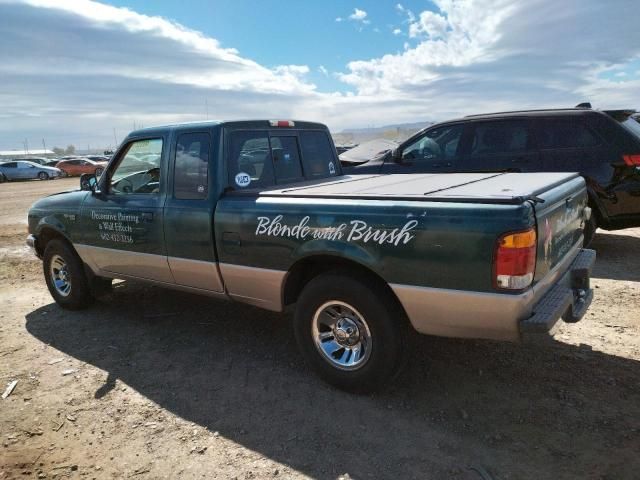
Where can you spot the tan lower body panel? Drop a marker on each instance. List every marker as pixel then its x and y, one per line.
pixel 196 273
pixel 132 264
pixel 256 286
pixel 461 314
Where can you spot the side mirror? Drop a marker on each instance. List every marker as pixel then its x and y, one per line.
pixel 88 182
pixel 396 155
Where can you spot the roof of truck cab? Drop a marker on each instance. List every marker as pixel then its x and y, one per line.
pixel 233 124
pixel 507 188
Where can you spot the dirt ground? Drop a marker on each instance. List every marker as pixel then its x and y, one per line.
pixel 150 383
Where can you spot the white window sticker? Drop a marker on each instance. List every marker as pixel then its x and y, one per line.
pixel 332 168
pixel 243 179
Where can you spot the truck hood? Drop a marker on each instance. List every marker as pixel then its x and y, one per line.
pixel 508 188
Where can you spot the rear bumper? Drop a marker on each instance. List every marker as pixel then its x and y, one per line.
pixel 568 299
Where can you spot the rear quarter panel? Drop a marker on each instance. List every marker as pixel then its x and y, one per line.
pixel 437 244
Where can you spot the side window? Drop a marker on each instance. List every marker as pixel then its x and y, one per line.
pixel 10 165
pixel 565 133
pixel 286 159
pixel 499 137
pixel 249 159
pixel 133 175
pixel 437 144
pixel 318 159
pixel 191 170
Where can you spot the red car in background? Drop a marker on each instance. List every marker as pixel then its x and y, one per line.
pixel 78 166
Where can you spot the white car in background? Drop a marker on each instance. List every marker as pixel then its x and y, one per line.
pixel 23 170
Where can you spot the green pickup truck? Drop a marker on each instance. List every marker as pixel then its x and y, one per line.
pixel 259 212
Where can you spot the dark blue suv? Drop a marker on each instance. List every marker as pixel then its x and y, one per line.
pixel 603 146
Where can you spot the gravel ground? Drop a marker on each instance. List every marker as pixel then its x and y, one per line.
pixel 150 383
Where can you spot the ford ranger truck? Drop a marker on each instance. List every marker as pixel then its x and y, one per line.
pixel 259 212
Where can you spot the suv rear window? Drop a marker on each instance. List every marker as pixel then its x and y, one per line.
pixel 499 137
pixel 565 133
pixel 632 126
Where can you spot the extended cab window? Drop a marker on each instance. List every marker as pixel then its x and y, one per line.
pixel 250 164
pixel 317 155
pixel 437 144
pixel 286 159
pixel 138 170
pixel 499 137
pixel 191 171
pixel 565 133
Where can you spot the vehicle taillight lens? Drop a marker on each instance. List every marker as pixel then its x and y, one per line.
pixel 515 260
pixel 632 160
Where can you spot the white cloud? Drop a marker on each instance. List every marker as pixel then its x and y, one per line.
pixel 106 67
pixel 358 15
pixel 397 31
pixel 339 19
pixel 430 25
pixel 323 70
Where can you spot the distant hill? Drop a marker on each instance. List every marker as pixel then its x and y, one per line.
pixel 397 132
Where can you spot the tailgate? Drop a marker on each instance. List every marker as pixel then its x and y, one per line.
pixel 560 223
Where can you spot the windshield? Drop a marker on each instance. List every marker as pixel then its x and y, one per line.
pixel 632 126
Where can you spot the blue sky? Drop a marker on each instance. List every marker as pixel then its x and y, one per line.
pixel 294 32
pixel 298 32
pixel 73 71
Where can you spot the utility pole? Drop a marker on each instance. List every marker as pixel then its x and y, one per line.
pixel 26 147
pixel 44 147
pixel 115 139
pixel 206 104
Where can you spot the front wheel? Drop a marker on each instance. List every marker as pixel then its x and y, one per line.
pixel 350 331
pixel 65 276
pixel 43 176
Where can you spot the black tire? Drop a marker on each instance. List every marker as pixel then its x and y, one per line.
pixel 590 228
pixel 79 295
pixel 43 176
pixel 386 322
pixel 98 172
pixel 3 178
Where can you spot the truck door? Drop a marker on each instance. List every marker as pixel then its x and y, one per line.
pixel 122 224
pixel 188 213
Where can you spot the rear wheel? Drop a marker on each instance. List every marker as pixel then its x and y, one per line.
pixel 43 176
pixel 350 331
pixel 65 276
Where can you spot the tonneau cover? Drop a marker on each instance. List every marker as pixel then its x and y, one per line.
pixel 510 188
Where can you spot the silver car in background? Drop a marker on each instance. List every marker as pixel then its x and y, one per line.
pixel 23 170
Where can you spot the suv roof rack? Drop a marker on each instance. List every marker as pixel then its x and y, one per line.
pixel 527 111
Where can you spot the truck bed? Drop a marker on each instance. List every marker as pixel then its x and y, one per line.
pixel 500 188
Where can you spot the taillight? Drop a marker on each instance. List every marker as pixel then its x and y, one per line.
pixel 632 160
pixel 515 260
pixel 282 123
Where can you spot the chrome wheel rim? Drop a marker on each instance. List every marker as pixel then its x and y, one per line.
pixel 341 335
pixel 60 275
